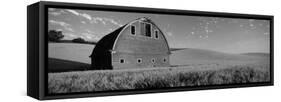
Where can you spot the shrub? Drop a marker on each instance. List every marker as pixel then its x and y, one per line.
pixel 55 36
pixel 79 40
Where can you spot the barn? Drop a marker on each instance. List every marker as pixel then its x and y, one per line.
pixel 137 44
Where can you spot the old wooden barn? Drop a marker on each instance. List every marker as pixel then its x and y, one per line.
pixel 138 44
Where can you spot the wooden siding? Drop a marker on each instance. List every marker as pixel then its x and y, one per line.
pixel 131 47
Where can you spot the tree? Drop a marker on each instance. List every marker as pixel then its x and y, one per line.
pixel 79 40
pixel 55 36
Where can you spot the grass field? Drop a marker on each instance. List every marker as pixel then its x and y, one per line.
pixel 69 66
pixel 86 81
pixel 64 57
pixel 59 65
pixel 71 51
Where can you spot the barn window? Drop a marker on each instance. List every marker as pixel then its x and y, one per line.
pixel 156 34
pixel 133 30
pixel 139 60
pixel 164 60
pixel 153 60
pixel 122 60
pixel 147 30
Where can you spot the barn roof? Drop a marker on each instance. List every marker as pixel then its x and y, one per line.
pixel 107 42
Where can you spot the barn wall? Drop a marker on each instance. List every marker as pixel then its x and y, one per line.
pixel 131 61
pixel 131 47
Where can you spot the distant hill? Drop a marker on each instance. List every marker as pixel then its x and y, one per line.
pixel 201 56
pixel 257 54
pixel 176 49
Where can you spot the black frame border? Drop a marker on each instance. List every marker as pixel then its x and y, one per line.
pixel 43 47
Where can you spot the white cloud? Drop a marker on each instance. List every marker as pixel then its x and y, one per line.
pixel 112 21
pixel 69 29
pixel 86 36
pixel 95 20
pixel 83 22
pixel 72 35
pixel 58 23
pixel 105 20
pixel 51 9
pixel 73 12
pixel 59 29
pixel 169 33
pixel 98 19
pixel 251 20
pixel 66 26
pixel 251 25
pixel 89 31
pixel 192 33
pixel 241 25
pixel 266 33
pixel 87 16
pixel 55 12
pixel 69 36
pixel 90 37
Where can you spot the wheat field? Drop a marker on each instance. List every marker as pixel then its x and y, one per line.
pixel 148 78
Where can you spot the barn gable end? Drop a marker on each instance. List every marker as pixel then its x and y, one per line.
pixel 138 44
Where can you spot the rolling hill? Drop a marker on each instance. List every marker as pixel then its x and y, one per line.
pixel 71 51
pixel 257 54
pixel 201 56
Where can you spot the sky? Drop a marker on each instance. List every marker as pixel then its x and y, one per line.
pixel 229 35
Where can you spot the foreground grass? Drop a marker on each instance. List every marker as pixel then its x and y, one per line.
pixel 153 78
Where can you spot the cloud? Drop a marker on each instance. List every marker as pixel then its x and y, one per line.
pixel 69 36
pixel 73 12
pixel 91 37
pixel 55 12
pixel 169 33
pixel 51 9
pixel 83 22
pixel 86 36
pixel 84 15
pixel 266 33
pixel 66 26
pixel 105 20
pixel 87 16
pixel 192 33
pixel 112 21
pixel 89 31
pixel 58 23
pixel 69 29
pixel 95 20
pixel 59 30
